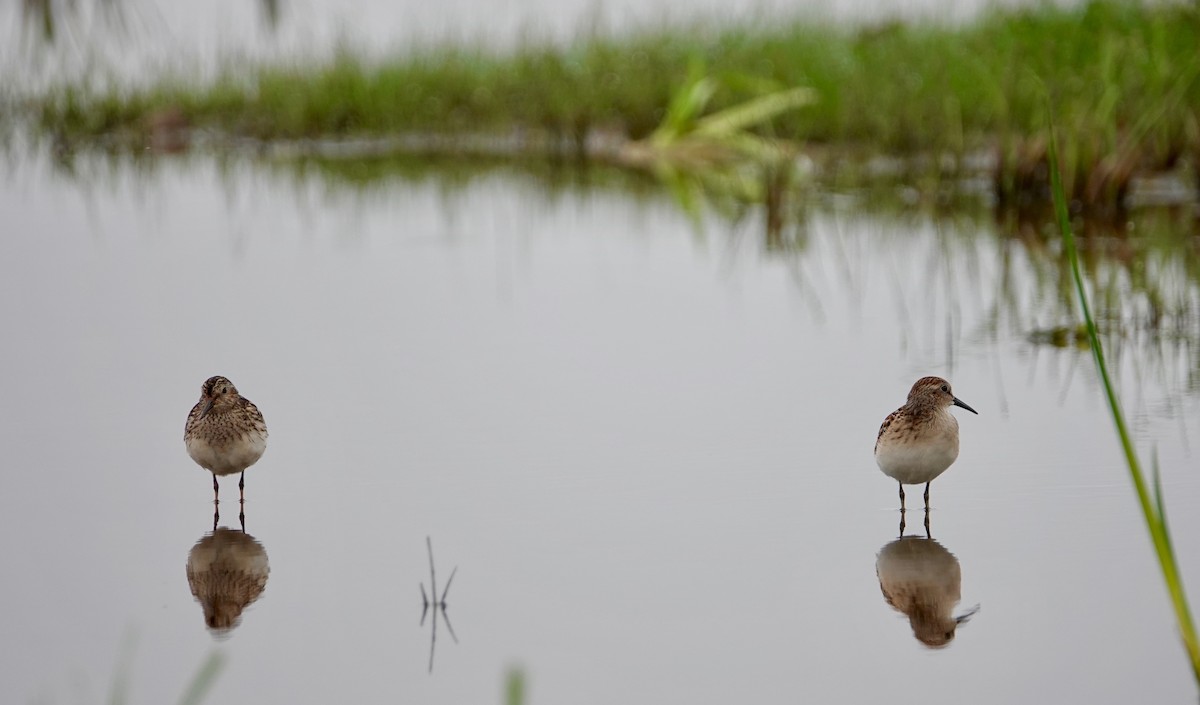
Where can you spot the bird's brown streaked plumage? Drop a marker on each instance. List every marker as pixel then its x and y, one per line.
pixel 919 441
pixel 225 432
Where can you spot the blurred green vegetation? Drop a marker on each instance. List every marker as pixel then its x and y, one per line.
pixel 1123 79
pixel 514 687
pixel 194 693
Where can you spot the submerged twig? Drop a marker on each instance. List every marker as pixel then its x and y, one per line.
pixel 431 599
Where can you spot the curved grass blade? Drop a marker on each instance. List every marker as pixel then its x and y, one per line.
pixel 1153 511
pixel 733 120
pixel 203 681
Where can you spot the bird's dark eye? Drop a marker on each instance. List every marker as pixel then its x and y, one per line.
pixel 946 388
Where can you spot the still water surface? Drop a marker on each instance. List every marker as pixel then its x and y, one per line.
pixel 645 443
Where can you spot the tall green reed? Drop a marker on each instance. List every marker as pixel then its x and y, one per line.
pixel 1153 509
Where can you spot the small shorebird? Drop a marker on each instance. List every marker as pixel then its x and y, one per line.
pixel 225 433
pixel 918 441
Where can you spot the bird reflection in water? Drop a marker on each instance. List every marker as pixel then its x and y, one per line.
pixel 227 571
pixel 438 604
pixel 922 580
pixel 903 524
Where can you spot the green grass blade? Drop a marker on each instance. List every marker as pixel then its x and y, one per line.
pixel 753 112
pixel 514 687
pixel 687 103
pixel 1158 500
pixel 203 681
pixel 1153 512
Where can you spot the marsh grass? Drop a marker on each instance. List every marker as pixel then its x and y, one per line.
pixel 1124 78
pixel 1153 507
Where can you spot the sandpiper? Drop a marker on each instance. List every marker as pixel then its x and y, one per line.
pixel 918 441
pixel 225 432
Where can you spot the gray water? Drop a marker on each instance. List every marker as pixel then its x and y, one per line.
pixel 644 442
pixel 642 436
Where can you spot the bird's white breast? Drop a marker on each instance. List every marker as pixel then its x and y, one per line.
pixel 228 458
pixel 914 459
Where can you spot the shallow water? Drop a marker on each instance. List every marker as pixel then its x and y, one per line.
pixel 644 443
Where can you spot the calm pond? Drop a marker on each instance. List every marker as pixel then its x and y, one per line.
pixel 643 440
pixel 639 437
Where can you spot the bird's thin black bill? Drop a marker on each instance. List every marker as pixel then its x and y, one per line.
pixel 960 402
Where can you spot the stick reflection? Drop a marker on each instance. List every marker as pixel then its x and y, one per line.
pixel 438 604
